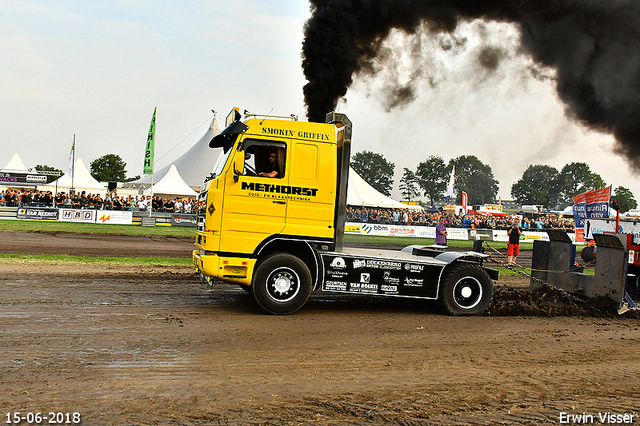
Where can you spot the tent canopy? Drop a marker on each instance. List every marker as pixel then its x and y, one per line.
pixel 172 184
pixel 360 193
pixel 82 181
pixel 15 165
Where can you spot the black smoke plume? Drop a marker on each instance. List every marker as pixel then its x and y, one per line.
pixel 594 46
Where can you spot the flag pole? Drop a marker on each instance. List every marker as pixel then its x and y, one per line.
pixel 73 164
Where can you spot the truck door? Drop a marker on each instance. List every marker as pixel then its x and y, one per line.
pixel 312 178
pixel 255 202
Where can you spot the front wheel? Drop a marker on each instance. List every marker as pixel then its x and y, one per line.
pixel 465 290
pixel 281 284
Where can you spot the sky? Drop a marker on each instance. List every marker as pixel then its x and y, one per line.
pixel 97 70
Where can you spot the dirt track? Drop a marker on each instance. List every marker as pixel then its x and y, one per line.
pixel 131 345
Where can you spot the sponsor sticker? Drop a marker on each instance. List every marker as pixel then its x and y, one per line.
pixel 338 263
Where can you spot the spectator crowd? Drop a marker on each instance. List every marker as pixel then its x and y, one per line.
pixel 112 201
pixel 405 217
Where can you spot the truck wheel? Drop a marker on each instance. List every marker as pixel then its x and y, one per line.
pixel 588 254
pixel 465 290
pixel 281 284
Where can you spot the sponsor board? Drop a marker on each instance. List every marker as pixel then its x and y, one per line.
pixel 481 234
pixel 427 232
pixel 10 177
pixel 463 234
pixel 37 213
pixel 457 234
pixel 375 229
pixel 499 235
pixel 539 236
pixel 178 219
pixel 77 215
pixel 114 217
pixel 600 226
pixel 403 231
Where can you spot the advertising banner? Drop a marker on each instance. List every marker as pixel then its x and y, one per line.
pixel 457 233
pixel 37 213
pixel 179 219
pixel 372 228
pixel 597 203
pixel 579 210
pixel 9 178
pixel 114 217
pixel 462 234
pixel 77 215
pixel 481 234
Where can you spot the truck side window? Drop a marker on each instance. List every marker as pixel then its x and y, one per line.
pixel 266 161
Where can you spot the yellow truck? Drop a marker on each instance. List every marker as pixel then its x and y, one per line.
pixel 271 217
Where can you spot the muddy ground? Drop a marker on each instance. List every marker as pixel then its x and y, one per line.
pixel 155 346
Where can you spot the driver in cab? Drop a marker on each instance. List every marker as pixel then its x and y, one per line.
pixel 274 169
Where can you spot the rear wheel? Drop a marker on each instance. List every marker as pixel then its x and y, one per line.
pixel 465 290
pixel 588 254
pixel 281 284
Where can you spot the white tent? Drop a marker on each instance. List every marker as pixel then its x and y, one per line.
pixel 360 193
pixel 193 166
pixel 82 181
pixel 172 184
pixel 15 165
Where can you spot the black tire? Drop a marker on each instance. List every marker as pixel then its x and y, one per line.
pixel 465 290
pixel 588 254
pixel 281 284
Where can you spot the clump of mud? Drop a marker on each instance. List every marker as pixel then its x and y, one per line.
pixel 548 302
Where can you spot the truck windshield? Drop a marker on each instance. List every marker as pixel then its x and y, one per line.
pixel 222 158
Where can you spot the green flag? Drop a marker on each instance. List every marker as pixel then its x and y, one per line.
pixel 151 142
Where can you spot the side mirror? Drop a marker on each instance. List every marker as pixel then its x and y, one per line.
pixel 238 166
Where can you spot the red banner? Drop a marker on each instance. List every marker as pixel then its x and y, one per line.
pixel 464 201
pixel 598 196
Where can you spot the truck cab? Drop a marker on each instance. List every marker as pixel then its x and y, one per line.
pixel 271 216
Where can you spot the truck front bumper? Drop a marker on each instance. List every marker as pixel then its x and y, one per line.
pixel 228 269
pixel 207 265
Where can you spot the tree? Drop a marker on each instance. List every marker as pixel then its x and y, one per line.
pixel 574 179
pixel 53 172
pixel 538 185
pixel 624 198
pixel 432 177
pixel 375 170
pixel 475 178
pixel 109 168
pixel 409 185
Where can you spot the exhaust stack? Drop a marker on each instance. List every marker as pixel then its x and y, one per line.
pixel 344 157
